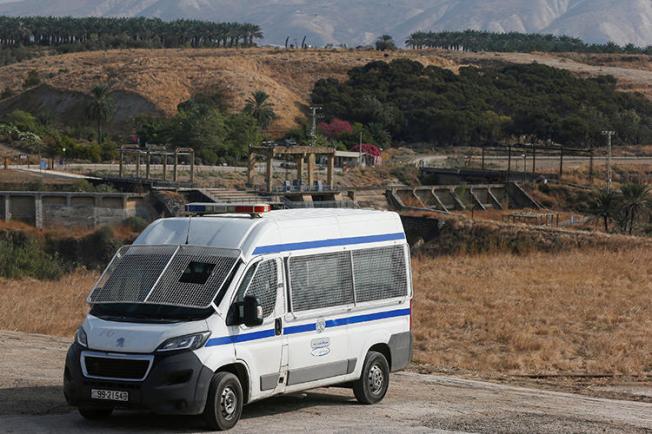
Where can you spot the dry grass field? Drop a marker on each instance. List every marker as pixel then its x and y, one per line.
pixel 578 312
pixel 51 308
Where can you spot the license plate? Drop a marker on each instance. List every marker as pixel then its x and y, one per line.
pixel 109 395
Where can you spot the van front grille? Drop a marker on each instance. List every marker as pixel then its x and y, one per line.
pixel 114 368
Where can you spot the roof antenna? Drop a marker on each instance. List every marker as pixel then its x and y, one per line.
pixel 188 232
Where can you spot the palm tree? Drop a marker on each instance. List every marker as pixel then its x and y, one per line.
pixel 101 108
pixel 636 197
pixel 385 43
pixel 260 108
pixel 604 205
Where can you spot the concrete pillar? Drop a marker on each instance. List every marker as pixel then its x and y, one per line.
pixel 251 169
pixel 300 168
pixel 7 208
pixel 269 175
pixel 38 211
pixel 176 165
pixel 97 203
pixel 138 165
pixel 165 166
pixel 192 168
pixel 311 171
pixel 330 175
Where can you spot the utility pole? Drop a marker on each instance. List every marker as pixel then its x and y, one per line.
pixel 313 133
pixel 609 135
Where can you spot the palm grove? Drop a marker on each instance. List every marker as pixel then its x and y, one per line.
pixel 25 37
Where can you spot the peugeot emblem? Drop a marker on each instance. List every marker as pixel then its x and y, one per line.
pixel 120 343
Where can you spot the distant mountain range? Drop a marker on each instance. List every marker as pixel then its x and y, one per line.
pixel 356 22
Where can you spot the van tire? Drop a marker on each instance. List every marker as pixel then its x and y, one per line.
pixel 95 413
pixel 372 385
pixel 225 402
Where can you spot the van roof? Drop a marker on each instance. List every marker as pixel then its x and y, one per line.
pixel 278 231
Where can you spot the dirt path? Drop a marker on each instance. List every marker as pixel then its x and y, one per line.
pixel 31 401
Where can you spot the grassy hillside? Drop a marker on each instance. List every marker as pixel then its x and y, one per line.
pixel 156 81
pixel 166 78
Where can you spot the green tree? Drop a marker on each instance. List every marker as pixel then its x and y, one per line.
pixel 243 130
pixel 605 205
pixel 636 198
pixel 385 43
pixel 101 108
pixel 259 106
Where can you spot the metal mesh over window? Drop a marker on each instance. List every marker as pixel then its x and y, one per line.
pixel 132 274
pixel 380 273
pixel 320 281
pixel 158 275
pixel 171 290
pixel 264 285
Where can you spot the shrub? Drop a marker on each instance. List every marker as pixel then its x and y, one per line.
pixel 136 224
pixel 33 79
pixel 22 256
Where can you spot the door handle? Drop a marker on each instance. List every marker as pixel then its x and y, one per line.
pixel 278 326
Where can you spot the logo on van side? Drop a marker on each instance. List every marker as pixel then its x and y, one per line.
pixel 320 347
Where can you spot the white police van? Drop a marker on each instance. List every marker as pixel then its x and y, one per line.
pixel 202 315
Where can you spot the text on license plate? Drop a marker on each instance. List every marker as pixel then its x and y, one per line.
pixel 109 395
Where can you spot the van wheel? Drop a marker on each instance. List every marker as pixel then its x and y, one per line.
pixel 225 401
pixel 374 381
pixel 95 413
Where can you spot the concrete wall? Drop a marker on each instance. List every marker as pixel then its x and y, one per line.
pixel 82 210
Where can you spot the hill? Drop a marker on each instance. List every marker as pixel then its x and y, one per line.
pixel 156 81
pixel 361 21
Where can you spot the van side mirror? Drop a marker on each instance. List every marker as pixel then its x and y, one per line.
pixel 253 311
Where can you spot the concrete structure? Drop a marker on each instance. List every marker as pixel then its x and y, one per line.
pixel 300 154
pixel 446 198
pixel 83 210
pixel 158 154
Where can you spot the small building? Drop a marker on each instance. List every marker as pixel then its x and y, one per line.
pixel 372 154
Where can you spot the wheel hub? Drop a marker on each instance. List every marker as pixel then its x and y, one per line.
pixel 228 402
pixel 376 379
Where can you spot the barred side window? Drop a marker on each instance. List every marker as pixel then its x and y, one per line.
pixel 264 285
pixel 380 273
pixel 320 281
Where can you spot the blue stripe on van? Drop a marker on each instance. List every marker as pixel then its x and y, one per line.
pixel 278 248
pixel 225 340
pixel 367 318
pixel 300 329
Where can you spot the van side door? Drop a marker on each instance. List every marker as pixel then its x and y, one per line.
pixel 321 298
pixel 261 347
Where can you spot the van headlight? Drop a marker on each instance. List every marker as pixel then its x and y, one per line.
pixel 188 342
pixel 81 337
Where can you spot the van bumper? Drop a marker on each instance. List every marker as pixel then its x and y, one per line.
pixel 177 384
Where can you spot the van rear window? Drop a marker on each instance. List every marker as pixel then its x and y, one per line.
pixel 320 281
pixel 343 278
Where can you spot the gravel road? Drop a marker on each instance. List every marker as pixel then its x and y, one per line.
pixel 31 401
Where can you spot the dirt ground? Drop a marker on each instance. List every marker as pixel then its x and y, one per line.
pixel 31 400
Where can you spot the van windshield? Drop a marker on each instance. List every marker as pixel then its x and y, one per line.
pixel 176 277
